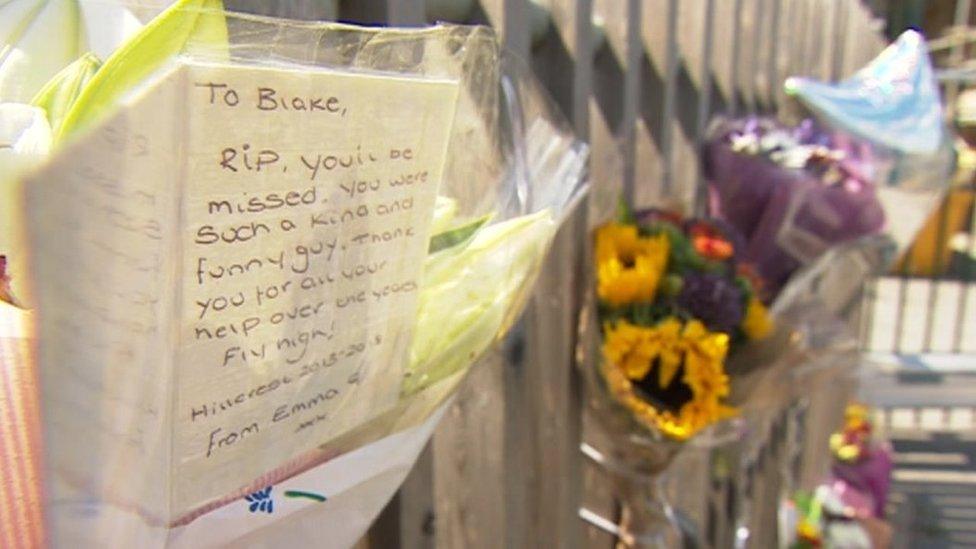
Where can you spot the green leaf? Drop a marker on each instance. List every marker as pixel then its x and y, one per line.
pixel 746 287
pixel 191 26
pixel 61 92
pixel 457 235
pixel 625 214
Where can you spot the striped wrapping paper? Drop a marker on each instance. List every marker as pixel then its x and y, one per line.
pixel 20 442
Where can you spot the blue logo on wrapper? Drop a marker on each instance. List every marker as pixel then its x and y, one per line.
pixel 260 501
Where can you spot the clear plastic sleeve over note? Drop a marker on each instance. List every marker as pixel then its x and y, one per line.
pixel 274 257
pixel 259 234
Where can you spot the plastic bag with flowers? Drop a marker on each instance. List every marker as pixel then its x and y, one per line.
pixel 862 460
pixel 876 151
pixel 125 464
pixel 827 517
pixel 671 306
pixel 847 509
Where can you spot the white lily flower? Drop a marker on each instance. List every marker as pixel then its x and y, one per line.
pixel 38 38
pixel 25 139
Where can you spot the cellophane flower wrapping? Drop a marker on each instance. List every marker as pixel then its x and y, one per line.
pixel 110 317
pixel 862 460
pixel 669 307
pixel 831 201
pixel 872 162
pixel 848 507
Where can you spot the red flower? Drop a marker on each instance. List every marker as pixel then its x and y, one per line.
pixel 710 242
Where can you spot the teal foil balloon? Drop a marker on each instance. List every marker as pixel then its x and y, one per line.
pixel 893 101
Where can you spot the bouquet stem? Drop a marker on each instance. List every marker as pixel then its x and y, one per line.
pixel 646 518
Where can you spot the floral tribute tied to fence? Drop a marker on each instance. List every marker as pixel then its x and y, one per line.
pixel 263 255
pixel 693 320
pixel 847 509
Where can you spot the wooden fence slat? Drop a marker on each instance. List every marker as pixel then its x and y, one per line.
pixel 841 13
pixel 503 468
pixel 515 27
pixel 724 55
pixel 756 73
pixel 773 75
pixel 691 85
pixel 631 96
pixel 704 101
pixel 584 44
pixel 553 493
pixel 735 66
pixel 650 161
pixel 787 46
pixel 800 38
pixel 764 51
pixel 828 42
pixel 405 13
pixel 814 39
pixel 672 57
pixel 315 10
pixel 467 445
pixel 606 121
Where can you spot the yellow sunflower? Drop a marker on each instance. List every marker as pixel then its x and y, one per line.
pixel 631 351
pixel 615 241
pixel 629 348
pixel 666 345
pixel 698 413
pixel 756 323
pixel 705 351
pixel 636 348
pixel 629 266
pixel 702 412
pixel 623 391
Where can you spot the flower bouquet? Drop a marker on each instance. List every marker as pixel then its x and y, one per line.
pixel 876 152
pixel 861 460
pixel 670 306
pixel 176 421
pixel 847 510
pixel 825 518
pixel 792 192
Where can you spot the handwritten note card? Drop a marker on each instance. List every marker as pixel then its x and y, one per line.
pixel 300 219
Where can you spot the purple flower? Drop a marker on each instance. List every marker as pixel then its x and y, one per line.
pixel 713 299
